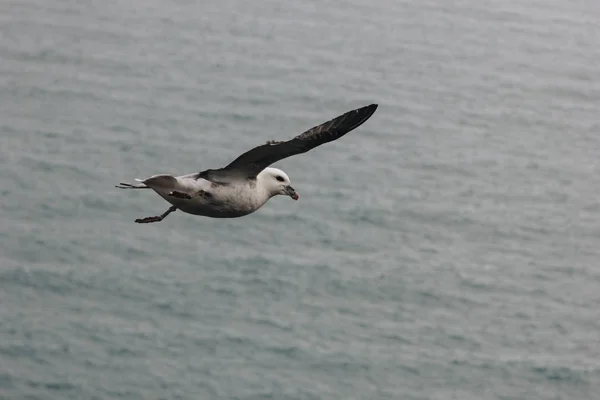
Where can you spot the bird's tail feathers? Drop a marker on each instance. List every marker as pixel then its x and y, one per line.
pixel 164 181
pixel 160 184
pixel 125 185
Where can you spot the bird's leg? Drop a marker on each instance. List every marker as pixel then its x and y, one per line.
pixel 157 218
pixel 182 195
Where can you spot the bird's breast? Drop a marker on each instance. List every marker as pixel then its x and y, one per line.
pixel 225 201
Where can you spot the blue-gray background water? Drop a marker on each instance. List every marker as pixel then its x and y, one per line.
pixel 447 249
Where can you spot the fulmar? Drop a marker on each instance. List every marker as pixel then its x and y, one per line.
pixel 248 182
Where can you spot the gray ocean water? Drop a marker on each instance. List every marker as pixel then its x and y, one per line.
pixel 447 249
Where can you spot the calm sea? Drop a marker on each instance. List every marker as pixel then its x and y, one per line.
pixel 447 249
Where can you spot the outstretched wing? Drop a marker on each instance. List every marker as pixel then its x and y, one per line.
pixel 249 164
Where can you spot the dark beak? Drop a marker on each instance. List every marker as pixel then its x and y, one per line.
pixel 291 192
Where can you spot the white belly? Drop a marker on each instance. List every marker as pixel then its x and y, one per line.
pixel 221 201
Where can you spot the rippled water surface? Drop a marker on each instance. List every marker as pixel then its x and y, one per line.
pixel 447 249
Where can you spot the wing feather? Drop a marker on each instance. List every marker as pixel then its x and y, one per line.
pixel 249 164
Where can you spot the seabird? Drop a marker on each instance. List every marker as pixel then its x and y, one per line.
pixel 248 182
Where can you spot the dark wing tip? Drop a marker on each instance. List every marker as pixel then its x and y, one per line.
pixel 355 118
pixel 339 126
pixel 366 112
pixel 368 109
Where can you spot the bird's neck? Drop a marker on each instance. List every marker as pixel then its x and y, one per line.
pixel 263 188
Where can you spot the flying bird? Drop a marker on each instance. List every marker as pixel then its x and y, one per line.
pixel 248 182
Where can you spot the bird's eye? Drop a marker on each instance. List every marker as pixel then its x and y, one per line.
pixel 279 178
